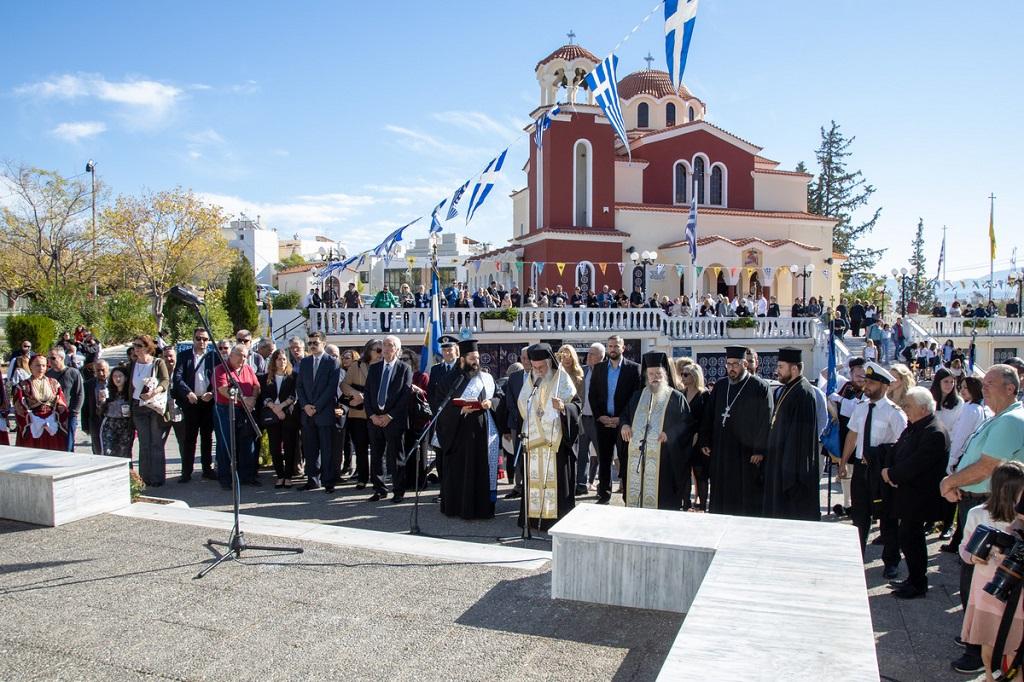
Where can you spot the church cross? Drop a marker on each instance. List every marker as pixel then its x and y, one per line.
pixel 649 59
pixel 570 35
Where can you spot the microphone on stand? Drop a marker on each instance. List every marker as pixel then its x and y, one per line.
pixel 185 295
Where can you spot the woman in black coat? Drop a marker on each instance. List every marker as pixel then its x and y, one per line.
pixel 917 463
pixel 277 396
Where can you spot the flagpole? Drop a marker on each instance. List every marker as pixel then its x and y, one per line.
pixel 992 243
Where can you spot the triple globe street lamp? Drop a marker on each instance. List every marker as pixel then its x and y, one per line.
pixel 903 274
pixel 803 272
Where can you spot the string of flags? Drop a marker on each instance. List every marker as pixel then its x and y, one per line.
pixel 680 17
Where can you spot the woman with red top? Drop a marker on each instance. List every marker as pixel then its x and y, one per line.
pixel 246 438
pixel 41 410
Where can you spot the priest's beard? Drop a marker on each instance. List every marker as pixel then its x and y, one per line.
pixel 739 377
pixel 659 389
pixel 471 370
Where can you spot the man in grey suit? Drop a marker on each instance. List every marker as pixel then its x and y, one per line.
pixel 317 392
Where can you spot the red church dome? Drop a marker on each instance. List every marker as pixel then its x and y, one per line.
pixel 568 53
pixel 650 82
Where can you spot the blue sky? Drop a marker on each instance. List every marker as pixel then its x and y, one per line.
pixel 351 119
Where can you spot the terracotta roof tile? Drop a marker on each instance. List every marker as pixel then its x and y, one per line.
pixel 306 267
pixel 650 82
pixel 717 210
pixel 568 53
pixel 742 241
pixel 493 253
pixel 767 171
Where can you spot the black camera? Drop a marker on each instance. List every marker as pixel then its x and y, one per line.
pixel 1010 572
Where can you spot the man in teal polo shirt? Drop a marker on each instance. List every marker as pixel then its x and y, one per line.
pixel 997 440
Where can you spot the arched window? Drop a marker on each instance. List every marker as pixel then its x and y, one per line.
pixel 680 183
pixel 582 184
pixel 698 177
pixel 716 185
pixel 643 115
pixel 689 113
pixel 670 114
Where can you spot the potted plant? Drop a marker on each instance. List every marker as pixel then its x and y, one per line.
pixel 740 327
pixel 977 323
pixel 500 320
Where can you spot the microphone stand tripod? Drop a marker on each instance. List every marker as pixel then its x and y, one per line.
pixel 414 522
pixel 235 543
pixel 641 466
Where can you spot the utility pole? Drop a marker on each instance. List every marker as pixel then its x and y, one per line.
pixel 90 167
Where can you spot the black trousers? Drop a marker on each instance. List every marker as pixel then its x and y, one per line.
pixel 608 442
pixel 915 551
pixel 284 444
pixel 386 444
pixel 860 513
pixel 198 421
pixel 359 434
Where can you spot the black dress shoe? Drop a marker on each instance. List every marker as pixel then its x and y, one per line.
pixel 878 541
pixel 603 500
pixel 891 572
pixel 185 479
pixel 837 509
pixel 360 486
pixel 310 485
pixel 581 490
pixel 512 495
pixel 346 471
pixel 899 584
pixel 210 474
pixel 949 548
pixel 909 593
pixel 328 489
pixel 377 497
pixel 969 664
pixel 279 486
pixel 397 499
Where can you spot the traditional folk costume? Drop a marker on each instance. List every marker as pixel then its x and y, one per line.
pixel 549 437
pixel 40 423
pixel 738 421
pixel 660 476
pixel 472 445
pixel 791 462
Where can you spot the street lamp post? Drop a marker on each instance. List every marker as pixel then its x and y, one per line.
pixel 642 260
pixel 804 273
pixel 90 168
pixel 881 292
pixel 903 275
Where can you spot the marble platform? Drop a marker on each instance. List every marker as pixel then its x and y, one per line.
pixel 764 598
pixel 439 549
pixel 50 488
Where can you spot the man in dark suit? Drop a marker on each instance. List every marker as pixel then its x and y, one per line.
pixel 91 420
pixel 317 391
pixel 388 391
pixel 856 317
pixel 441 375
pixel 612 386
pixel 254 360
pixel 192 390
pixel 514 425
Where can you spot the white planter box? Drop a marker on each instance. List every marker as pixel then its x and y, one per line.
pixel 740 333
pixel 497 325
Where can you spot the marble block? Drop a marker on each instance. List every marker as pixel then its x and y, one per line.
pixel 51 488
pixel 772 598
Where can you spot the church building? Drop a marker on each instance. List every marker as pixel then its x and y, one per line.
pixel 592 214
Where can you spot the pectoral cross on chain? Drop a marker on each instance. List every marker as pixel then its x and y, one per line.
pixel 725 415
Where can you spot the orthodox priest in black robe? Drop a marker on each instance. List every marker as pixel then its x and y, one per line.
pixel 737 421
pixel 791 474
pixel 658 427
pixel 469 439
pixel 550 410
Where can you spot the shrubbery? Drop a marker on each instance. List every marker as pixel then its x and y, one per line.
pixel 38 329
pixel 287 301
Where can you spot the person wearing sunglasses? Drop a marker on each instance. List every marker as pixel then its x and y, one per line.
pixel 191 387
pixel 149 377
pixel 317 393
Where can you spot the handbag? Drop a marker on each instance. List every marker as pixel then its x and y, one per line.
pixel 157 403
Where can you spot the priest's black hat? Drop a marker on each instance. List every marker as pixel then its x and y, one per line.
pixel 856 362
pixel 656 358
pixel 467 346
pixel 791 355
pixel 736 352
pixel 540 351
pixel 447 340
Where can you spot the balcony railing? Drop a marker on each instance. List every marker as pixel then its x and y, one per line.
pixel 943 327
pixel 365 321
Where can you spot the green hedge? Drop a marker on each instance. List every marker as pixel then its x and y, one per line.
pixel 287 301
pixel 39 329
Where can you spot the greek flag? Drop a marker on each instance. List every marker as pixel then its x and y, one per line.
pixel 432 342
pixel 435 224
pixel 384 249
pixel 338 266
pixel 484 184
pixel 543 123
pixel 453 207
pixel 691 228
pixel 603 84
pixel 942 257
pixel 680 16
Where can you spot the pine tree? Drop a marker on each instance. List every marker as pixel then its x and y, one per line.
pixel 240 296
pixel 838 192
pixel 917 283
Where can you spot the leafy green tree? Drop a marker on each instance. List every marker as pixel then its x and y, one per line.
pixel 240 296
pixel 128 315
pixel 918 286
pixel 289 300
pixel 839 192
pixel 68 307
pixel 290 262
pixel 180 320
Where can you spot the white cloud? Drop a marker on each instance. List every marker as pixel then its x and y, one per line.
pixel 476 121
pixel 208 136
pixel 416 140
pixel 143 102
pixel 73 131
pixel 247 88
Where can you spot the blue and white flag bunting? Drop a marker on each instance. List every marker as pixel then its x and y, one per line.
pixel 484 184
pixel 453 207
pixel 384 249
pixel 543 123
pixel 691 227
pixel 435 224
pixel 432 339
pixel 603 84
pixel 680 16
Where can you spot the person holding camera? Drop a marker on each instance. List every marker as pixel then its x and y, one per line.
pixel 918 464
pixel 982 611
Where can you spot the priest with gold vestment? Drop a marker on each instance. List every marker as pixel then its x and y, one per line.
pixel 551 426
pixel 659 428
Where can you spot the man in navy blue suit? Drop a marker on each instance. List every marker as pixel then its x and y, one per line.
pixel 191 388
pixel 317 392
pixel 388 391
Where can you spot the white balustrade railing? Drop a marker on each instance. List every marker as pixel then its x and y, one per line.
pixel 343 321
pixel 942 327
